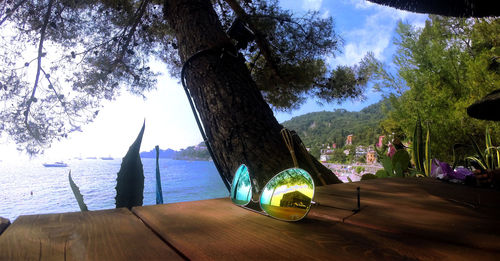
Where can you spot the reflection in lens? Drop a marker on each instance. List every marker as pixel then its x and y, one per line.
pixel 241 191
pixel 288 195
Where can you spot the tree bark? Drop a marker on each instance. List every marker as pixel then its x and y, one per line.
pixel 238 122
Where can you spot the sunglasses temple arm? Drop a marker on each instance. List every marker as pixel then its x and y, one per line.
pixel 359 201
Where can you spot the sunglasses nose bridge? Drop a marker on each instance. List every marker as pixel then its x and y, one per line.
pixel 255 189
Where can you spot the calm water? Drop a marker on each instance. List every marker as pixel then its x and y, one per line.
pixel 30 188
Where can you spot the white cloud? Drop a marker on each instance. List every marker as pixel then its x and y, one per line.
pixel 314 5
pixel 325 14
pixel 376 34
pixel 361 4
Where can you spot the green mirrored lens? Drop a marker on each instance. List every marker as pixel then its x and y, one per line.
pixel 241 190
pixel 288 195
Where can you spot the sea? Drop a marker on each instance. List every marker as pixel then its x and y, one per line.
pixel 28 188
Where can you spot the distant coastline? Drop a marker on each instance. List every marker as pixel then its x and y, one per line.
pixel 191 153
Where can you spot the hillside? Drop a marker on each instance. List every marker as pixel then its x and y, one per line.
pixel 198 152
pixel 168 153
pixel 324 127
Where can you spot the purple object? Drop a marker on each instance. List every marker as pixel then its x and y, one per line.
pixel 442 170
pixel 461 173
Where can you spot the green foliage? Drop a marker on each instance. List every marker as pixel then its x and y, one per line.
pixel 359 169
pixel 78 195
pixel 428 155
pixel 398 166
pixel 193 153
pixel 398 170
pixel 422 152
pixel 130 177
pixel 381 152
pixel 159 192
pixel 489 159
pixel 351 157
pixel 492 153
pixel 442 69
pixel 338 156
pixel 387 164
pixel 403 158
pixel 294 63
pixel 418 147
pixel 319 128
pixel 382 173
pixel 347 82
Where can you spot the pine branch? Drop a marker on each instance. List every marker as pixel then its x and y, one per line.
pixel 12 11
pixel 260 39
pixel 39 64
pixel 138 15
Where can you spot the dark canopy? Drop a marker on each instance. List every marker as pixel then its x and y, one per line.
pixel 488 108
pixel 457 8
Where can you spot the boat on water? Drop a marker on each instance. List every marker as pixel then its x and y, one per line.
pixel 55 164
pixel 107 158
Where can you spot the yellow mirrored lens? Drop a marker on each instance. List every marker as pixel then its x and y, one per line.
pixel 241 190
pixel 288 195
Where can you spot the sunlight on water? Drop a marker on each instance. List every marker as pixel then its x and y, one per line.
pixel 30 188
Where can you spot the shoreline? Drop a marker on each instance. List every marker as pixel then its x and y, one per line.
pixel 345 171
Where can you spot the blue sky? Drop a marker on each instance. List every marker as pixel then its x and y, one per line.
pixel 169 122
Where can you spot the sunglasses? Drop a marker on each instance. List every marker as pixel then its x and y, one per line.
pixel 287 196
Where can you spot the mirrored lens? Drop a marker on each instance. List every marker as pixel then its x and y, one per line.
pixel 288 195
pixel 241 190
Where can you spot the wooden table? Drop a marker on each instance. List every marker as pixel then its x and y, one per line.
pixel 400 219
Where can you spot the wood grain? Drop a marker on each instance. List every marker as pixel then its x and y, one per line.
pixel 218 230
pixel 98 235
pixel 400 219
pixel 425 208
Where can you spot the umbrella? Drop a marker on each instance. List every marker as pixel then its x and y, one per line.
pixel 488 108
pixel 457 8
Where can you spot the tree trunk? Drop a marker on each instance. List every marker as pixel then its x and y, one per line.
pixel 239 124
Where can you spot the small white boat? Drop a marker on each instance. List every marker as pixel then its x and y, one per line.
pixel 55 164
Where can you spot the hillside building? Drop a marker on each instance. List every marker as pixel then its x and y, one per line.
pixel 380 140
pixel 370 157
pixel 348 141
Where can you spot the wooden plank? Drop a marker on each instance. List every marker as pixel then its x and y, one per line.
pixel 218 230
pixel 115 234
pixel 4 223
pixel 426 208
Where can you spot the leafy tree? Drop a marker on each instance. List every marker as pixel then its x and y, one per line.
pixel 352 153
pixel 321 128
pixel 338 156
pixel 192 152
pixel 441 70
pixel 87 51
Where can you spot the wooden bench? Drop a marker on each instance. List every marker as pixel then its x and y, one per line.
pixel 400 219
